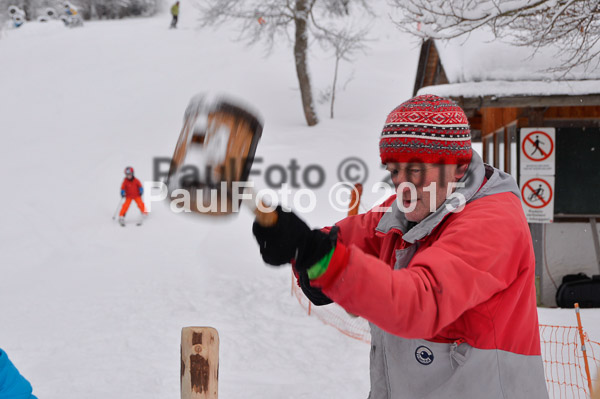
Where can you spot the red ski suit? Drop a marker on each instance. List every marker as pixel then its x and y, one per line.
pixel 132 189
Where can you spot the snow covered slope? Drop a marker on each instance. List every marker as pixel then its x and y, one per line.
pixel 92 310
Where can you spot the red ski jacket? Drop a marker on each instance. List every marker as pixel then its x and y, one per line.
pixel 131 188
pixel 451 300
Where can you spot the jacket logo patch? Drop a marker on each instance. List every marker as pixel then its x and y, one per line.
pixel 424 355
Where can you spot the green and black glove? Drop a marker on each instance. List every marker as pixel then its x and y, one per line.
pixel 291 239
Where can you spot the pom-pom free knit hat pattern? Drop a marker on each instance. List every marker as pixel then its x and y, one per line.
pixel 426 129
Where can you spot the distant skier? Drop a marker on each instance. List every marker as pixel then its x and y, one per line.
pixel 71 17
pixel 175 14
pixel 131 190
pixel 12 383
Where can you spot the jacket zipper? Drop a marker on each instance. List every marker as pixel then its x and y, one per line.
pixel 455 356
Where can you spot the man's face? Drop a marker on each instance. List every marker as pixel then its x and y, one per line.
pixel 431 184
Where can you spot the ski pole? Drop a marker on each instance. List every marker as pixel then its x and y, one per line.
pixel 118 207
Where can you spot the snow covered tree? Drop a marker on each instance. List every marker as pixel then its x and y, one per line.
pixel 572 26
pixel 26 5
pixel 115 9
pixel 89 9
pixel 266 20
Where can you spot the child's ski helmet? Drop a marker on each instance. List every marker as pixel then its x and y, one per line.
pixel 129 170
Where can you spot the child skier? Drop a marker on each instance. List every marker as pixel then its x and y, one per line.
pixel 131 189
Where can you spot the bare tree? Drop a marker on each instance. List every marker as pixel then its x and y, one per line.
pixel 345 44
pixel 573 26
pixel 266 20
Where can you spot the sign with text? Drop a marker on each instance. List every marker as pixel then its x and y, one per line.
pixel 537 197
pixel 538 148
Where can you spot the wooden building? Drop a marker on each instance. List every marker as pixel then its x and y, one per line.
pixel 502 90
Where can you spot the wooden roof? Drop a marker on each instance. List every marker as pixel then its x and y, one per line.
pixel 488 113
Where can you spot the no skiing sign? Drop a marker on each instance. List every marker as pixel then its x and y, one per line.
pixel 537 196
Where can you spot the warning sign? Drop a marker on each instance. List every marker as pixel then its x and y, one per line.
pixel 537 196
pixel 537 150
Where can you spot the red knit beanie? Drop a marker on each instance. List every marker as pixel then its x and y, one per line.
pixel 426 129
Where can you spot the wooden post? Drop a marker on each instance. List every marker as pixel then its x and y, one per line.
pixel 496 149
pixel 538 233
pixel 355 199
pixel 484 141
pixel 507 148
pixel 199 363
pixel 596 240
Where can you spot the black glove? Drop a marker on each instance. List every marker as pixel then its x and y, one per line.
pixel 279 244
pixel 314 294
pixel 291 238
pixel 316 245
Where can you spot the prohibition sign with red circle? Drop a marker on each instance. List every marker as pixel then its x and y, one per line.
pixel 533 191
pixel 545 154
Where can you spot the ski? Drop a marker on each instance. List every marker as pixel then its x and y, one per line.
pixel 141 219
pixel 139 222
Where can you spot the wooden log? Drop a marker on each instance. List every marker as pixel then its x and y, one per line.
pixel 199 363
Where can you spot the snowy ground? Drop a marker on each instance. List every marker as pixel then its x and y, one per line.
pixel 92 310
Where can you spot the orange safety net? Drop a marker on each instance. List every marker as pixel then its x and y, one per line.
pixel 561 348
pixel 335 316
pixel 564 361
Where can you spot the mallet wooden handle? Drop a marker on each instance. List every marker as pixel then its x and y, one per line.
pixel 265 218
pixel 265 215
